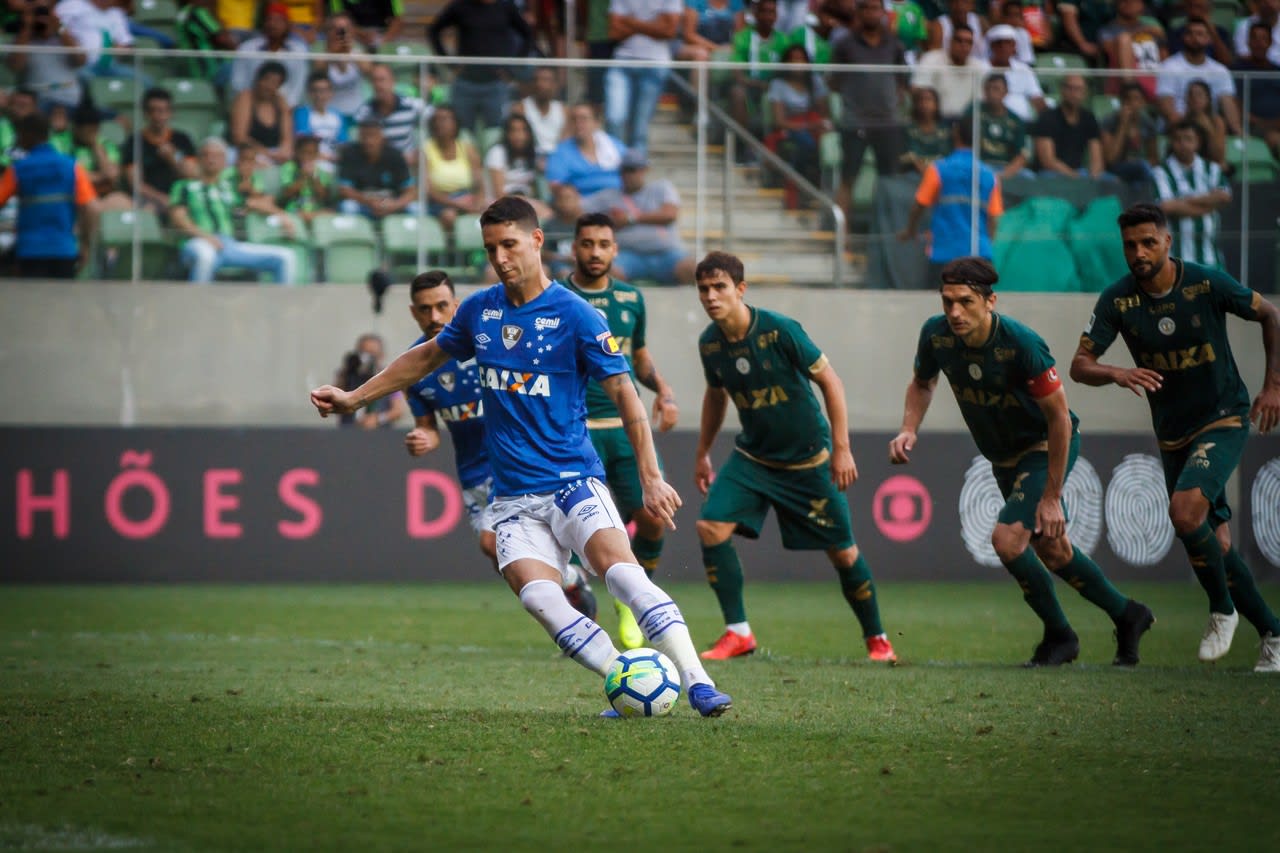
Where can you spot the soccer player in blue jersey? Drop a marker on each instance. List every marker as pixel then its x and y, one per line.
pixel 536 345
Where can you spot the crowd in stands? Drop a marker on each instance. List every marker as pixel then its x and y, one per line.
pixel 304 115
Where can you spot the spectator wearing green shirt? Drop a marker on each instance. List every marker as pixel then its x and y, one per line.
pixel 99 157
pixel 815 36
pixel 307 183
pixel 1003 135
pixel 22 103
pixel 762 43
pixel 911 25
pixel 201 209
pixel 199 29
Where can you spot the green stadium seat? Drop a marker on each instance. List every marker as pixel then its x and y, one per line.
pixel 1098 254
pixel 151 12
pixel 1103 105
pixel 115 239
pixel 1250 153
pixel 468 242
pixel 406 73
pixel 401 234
pixel 270 230
pixel 113 93
pixel 1030 250
pixel 348 247
pixel 489 137
pixel 112 131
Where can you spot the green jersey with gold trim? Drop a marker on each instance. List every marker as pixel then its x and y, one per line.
pixel 768 375
pixel 992 383
pixel 1183 337
pixel 622 307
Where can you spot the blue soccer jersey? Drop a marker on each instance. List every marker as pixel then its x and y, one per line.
pixel 534 364
pixel 453 393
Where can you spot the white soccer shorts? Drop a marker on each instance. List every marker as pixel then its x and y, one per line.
pixel 548 527
pixel 477 500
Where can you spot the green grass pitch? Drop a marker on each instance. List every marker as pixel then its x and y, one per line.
pixel 438 717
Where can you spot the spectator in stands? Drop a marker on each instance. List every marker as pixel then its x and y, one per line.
pixel 512 163
pixel 1220 45
pixel 307 184
pixel 377 21
pixel 1025 98
pixel 952 73
pixel 397 116
pixel 1264 91
pixel 558 230
pixel 797 99
pixel 305 17
pixel 317 119
pixel 346 76
pixel 815 35
pixel 358 367
pixel 1067 138
pixel 791 14
pixel 1191 191
pixel 100 158
pixel 248 192
pixel 1003 135
pixel 958 12
pixel 947 189
pixel 373 177
pixel 1213 129
pixel 708 26
pixel 644 30
pixel 646 217
pixel 1134 41
pixel 544 112
pixel 482 28
pixel 22 103
pixel 95 25
pixel 1267 13
pixel 52 188
pixel 908 21
pixel 589 160
pixel 1130 137
pixel 1081 21
pixel 455 183
pixel 198 28
pixel 54 77
pixel 168 155
pixel 274 38
pixel 599 46
pixel 202 209
pixel 760 43
pixel 238 16
pixel 260 122
pixel 928 136
pixel 1011 16
pixel 870 114
pixel 1194 63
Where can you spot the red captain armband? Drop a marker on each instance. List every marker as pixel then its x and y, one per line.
pixel 1045 384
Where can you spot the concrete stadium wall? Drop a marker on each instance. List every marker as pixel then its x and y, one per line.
pixel 110 354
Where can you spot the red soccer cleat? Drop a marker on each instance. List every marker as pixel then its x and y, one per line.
pixel 880 649
pixel 730 645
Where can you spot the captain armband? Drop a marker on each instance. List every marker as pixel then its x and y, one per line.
pixel 1044 384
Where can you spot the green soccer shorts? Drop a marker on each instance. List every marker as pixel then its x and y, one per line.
pixel 1022 485
pixel 620 469
pixel 813 514
pixel 1206 463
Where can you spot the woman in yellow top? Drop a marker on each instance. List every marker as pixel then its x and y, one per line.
pixel 454 180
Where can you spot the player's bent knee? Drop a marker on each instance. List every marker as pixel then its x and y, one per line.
pixel 1054 553
pixel 1009 541
pixel 1187 510
pixel 712 533
pixel 843 556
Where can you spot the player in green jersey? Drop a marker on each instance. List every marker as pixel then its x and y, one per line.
pixel 622 306
pixel 1173 318
pixel 1012 400
pixel 786 457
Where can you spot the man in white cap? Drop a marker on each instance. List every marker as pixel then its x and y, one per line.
pixel 1025 98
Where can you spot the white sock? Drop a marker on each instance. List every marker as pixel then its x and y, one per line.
pixel 742 629
pixel 579 637
pixel 660 619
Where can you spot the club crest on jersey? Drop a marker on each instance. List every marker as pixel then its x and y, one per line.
pixel 975 371
pixel 511 335
pixel 448 381
pixel 1166 325
pixel 744 366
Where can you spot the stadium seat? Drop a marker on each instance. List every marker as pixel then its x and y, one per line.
pixel 270 230
pixel 468 243
pixel 112 131
pixel 1031 252
pixel 270 177
pixel 348 247
pixel 406 73
pixel 151 12
pixel 195 107
pixel 115 242
pixel 1103 105
pixel 1099 257
pixel 401 234
pixel 489 137
pixel 113 93
pixel 1251 158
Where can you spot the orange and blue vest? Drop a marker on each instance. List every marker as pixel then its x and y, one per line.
pixel 953 208
pixel 49 186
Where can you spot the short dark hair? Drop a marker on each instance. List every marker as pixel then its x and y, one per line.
pixel 1201 21
pixel 32 129
pixel 994 78
pixel 317 77
pixel 1142 214
pixel 513 209
pixel 955 28
pixel 271 67
pixel 592 220
pixel 1129 85
pixel 730 265
pixel 1187 124
pixel 976 272
pixel 155 93
pixel 430 279
pixel 1259 25
pixel 27 92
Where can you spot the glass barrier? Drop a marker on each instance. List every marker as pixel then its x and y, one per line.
pixel 320 168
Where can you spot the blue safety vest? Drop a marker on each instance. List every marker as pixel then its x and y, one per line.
pixel 46 204
pixel 952 215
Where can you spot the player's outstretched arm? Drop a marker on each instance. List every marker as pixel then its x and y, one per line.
pixel 424 437
pixel 665 410
pixel 1266 406
pixel 919 396
pixel 1087 370
pixel 715 402
pixel 844 472
pixel 659 498
pixel 1050 520
pixel 408 368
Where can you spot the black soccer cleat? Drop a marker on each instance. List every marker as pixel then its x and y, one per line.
pixel 1135 621
pixel 1055 649
pixel 582 599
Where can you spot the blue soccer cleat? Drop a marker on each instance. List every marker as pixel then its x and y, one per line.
pixel 610 714
pixel 708 701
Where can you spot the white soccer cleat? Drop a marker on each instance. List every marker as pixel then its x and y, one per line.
pixel 1216 641
pixel 1268 654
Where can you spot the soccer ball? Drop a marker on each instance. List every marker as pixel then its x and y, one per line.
pixel 642 683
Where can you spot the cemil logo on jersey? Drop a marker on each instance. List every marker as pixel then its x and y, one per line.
pixel 544 323
pixel 516 382
pixel 491 314
pixel 511 335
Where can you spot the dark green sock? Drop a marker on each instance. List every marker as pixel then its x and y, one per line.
pixel 1244 592
pixel 860 591
pixel 647 552
pixel 1086 578
pixel 1037 590
pixel 724 573
pixel 1206 560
